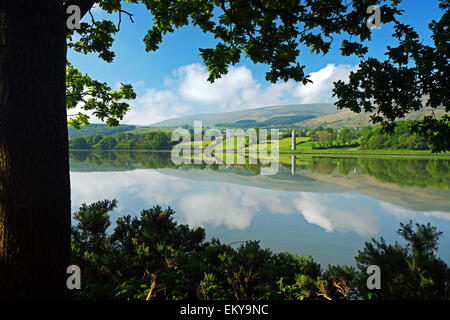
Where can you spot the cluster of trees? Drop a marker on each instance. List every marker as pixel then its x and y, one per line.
pixel 153 140
pixel 329 137
pixel 98 128
pixel 153 257
pixel 400 138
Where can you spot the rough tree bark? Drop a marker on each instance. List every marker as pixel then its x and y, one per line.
pixel 34 162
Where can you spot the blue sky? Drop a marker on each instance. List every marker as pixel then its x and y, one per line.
pixel 172 81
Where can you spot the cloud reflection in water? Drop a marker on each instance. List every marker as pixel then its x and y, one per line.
pixel 214 204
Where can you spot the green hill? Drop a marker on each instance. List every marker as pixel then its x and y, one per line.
pixel 299 115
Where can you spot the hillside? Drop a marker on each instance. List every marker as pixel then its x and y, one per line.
pixel 300 115
pixel 267 116
pixel 347 118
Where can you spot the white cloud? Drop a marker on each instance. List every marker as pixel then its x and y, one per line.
pixel 189 92
pixel 154 106
pixel 320 89
pixel 195 87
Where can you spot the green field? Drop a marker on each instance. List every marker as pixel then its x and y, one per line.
pixel 305 146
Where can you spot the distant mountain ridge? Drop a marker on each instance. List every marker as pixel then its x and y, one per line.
pixel 284 114
pixel 298 115
pixel 290 116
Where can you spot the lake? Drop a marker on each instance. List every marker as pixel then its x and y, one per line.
pixel 324 207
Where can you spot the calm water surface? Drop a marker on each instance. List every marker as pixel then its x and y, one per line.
pixel 315 206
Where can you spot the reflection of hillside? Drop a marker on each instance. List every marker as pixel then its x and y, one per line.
pixel 329 180
pixel 414 198
pixel 416 184
pixel 282 181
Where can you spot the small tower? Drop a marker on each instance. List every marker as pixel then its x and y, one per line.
pixel 294 144
pixel 293 165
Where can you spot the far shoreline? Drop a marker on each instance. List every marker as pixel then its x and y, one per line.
pixel 299 153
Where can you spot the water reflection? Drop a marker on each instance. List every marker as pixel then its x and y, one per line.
pixel 404 172
pixel 422 173
pixel 324 207
pixel 213 204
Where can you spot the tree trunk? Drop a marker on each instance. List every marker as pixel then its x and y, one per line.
pixel 34 162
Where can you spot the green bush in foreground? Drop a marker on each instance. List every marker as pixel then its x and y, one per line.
pixel 152 257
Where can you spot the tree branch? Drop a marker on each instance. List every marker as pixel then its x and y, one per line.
pixel 130 15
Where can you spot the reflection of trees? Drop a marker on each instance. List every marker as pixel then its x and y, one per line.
pixel 79 156
pixel 323 165
pixel 255 169
pixel 408 172
pixel 110 156
pixel 93 160
pixel 405 172
pixel 345 166
pixel 123 160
